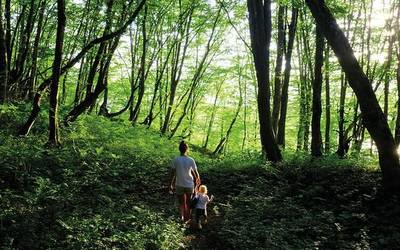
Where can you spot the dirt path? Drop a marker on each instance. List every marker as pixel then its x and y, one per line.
pixel 224 185
pixel 207 237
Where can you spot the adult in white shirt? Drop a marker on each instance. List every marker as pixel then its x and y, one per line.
pixel 184 177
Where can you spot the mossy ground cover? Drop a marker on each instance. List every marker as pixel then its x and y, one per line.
pixel 106 188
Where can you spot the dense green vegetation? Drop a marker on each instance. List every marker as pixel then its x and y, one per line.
pixel 291 110
pixel 109 190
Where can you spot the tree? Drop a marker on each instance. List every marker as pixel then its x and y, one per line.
pixel 53 112
pixel 373 116
pixel 286 79
pixel 3 59
pixel 316 139
pixel 260 34
pixel 278 69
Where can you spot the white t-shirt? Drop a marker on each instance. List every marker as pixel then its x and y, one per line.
pixel 183 166
pixel 203 200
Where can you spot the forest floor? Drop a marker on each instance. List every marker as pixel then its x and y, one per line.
pixel 103 190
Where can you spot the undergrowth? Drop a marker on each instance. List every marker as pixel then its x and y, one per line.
pixel 105 187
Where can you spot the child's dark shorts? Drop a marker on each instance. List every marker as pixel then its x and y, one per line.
pixel 199 213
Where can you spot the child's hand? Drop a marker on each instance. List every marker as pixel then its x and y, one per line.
pixel 212 197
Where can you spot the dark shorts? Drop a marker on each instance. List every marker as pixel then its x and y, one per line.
pixel 199 213
pixel 183 190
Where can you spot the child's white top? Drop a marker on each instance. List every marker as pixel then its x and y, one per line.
pixel 203 200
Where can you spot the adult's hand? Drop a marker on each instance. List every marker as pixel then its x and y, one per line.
pixel 198 181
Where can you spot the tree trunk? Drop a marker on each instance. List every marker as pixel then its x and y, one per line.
pixel 222 143
pixel 341 151
pixel 302 90
pixel 32 80
pixel 373 117
pixel 198 75
pixel 53 112
pixel 327 103
pixel 260 34
pixel 176 68
pixel 213 111
pixel 276 106
pixel 388 64
pixel 24 48
pixel 7 14
pixel 316 139
pixel 397 127
pixel 286 79
pixel 3 59
pixel 135 112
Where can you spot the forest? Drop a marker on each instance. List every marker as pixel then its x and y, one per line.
pixel 290 109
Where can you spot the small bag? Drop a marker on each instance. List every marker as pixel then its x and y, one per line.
pixel 193 201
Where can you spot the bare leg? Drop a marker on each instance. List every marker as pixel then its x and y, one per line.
pixel 182 205
pixel 187 206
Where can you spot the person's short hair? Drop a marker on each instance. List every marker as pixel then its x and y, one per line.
pixel 183 147
pixel 203 189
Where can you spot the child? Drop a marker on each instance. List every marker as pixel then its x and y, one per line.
pixel 201 205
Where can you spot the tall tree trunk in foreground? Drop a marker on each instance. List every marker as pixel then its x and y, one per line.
pixel 53 112
pixel 285 86
pixel 373 116
pixel 3 59
pixel 316 139
pixel 260 34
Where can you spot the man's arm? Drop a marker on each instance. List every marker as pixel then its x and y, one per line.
pixel 172 174
pixel 196 176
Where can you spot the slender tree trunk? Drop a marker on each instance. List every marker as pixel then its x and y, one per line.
pixel 244 116
pixel 327 103
pixel 373 116
pixel 32 81
pixel 223 142
pixel 198 75
pixel 278 69
pixel 397 127
pixel 53 112
pixel 3 59
pixel 388 64
pixel 286 79
pixel 24 48
pixel 260 34
pixel 316 139
pixel 341 136
pixel 103 107
pixel 176 69
pixel 7 14
pixel 213 111
pixel 302 90
pixel 135 112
